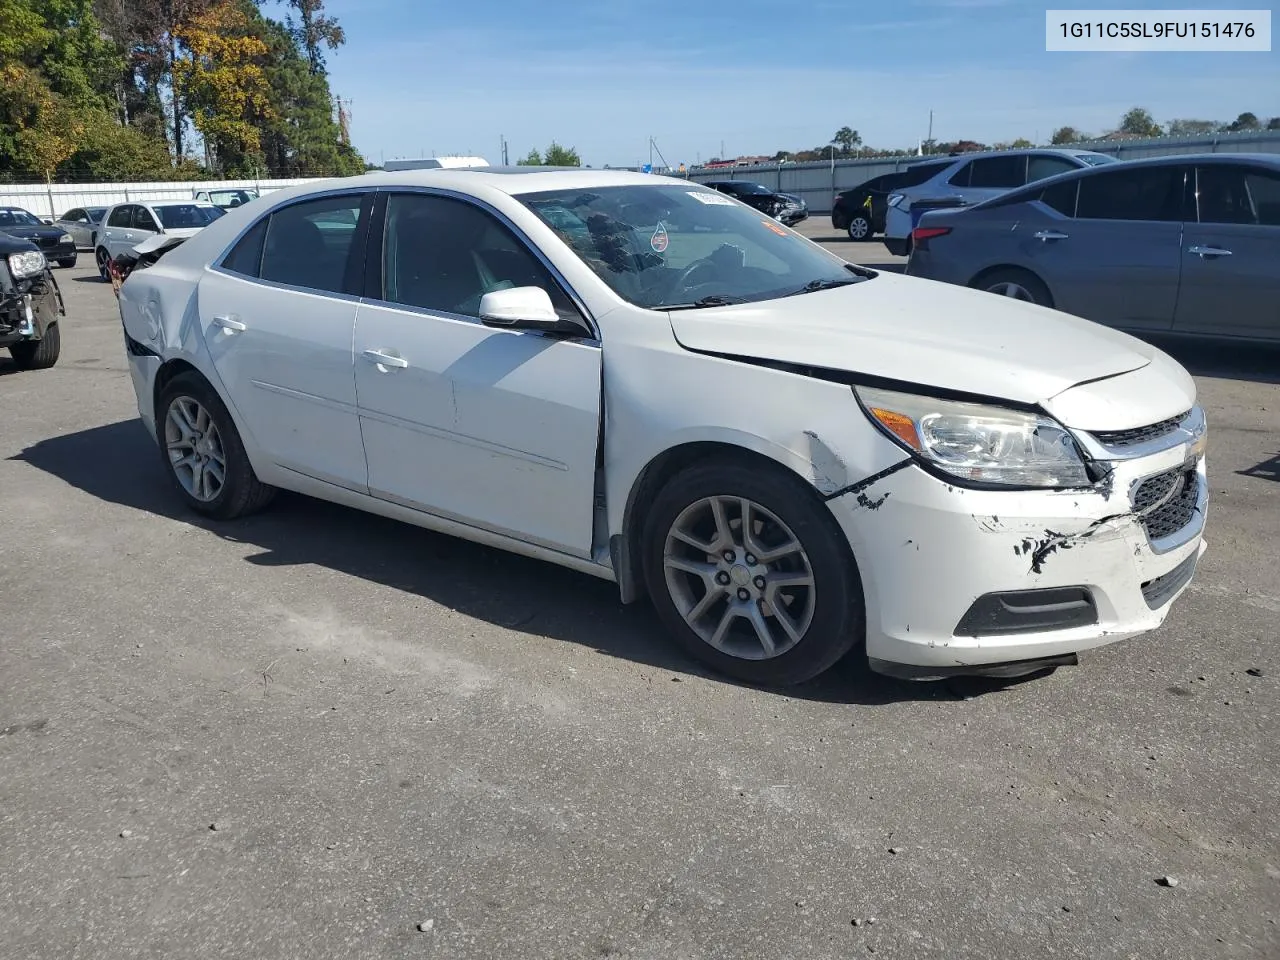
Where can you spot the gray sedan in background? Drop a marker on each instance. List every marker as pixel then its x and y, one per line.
pixel 1183 244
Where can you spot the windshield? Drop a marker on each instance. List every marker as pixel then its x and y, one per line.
pixel 184 215
pixel 95 213
pixel 666 247
pixel 13 217
pixel 225 197
pixel 1094 159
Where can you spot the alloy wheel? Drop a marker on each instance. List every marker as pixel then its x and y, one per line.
pixel 740 577
pixel 194 447
pixel 1009 289
pixel 859 228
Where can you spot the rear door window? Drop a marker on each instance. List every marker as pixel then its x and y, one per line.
pixel 1043 166
pixel 1144 193
pixel 317 244
pixel 998 172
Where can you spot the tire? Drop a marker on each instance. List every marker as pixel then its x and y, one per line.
pixel 38 354
pixel 826 616
pixel 1013 282
pixel 860 228
pixel 67 262
pixel 240 492
pixel 102 258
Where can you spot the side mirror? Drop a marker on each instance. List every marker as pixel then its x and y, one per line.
pixel 519 307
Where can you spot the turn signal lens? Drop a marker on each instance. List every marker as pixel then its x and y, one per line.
pixel 902 427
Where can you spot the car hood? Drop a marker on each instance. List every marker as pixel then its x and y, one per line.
pixel 32 232
pixel 921 332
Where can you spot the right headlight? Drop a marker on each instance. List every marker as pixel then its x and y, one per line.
pixel 28 264
pixel 978 442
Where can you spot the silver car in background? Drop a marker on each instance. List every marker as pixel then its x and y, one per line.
pixel 1183 244
pixel 975 177
pixel 82 223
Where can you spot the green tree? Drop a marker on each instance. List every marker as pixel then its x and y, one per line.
pixel 533 159
pixel 1139 122
pixel 846 139
pixel 315 30
pixel 558 156
pixel 1064 135
pixel 1022 143
pixel 300 137
pixel 1273 123
pixel 1246 121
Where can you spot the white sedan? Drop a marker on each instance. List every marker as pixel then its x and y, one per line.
pixel 650 382
pixel 126 225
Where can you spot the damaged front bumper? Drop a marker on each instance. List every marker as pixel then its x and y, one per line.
pixel 28 308
pixel 983 581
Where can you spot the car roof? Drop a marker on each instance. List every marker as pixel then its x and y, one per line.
pixel 513 181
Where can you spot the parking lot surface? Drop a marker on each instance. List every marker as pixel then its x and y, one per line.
pixel 314 733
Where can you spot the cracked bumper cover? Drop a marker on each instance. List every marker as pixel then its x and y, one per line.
pixel 929 550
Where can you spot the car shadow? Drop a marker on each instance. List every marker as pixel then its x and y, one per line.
pixel 118 463
pixel 91 278
pixel 1266 470
pixel 1257 362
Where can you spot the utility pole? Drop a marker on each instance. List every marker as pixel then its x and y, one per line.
pixel 722 156
pixel 503 139
pixel 929 139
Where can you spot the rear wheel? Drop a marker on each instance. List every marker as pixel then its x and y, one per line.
pixel 1016 284
pixel 750 573
pixel 859 227
pixel 203 453
pixel 38 354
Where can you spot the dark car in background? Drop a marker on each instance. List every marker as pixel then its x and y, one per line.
pixel 783 207
pixel 860 211
pixel 54 242
pixel 1186 244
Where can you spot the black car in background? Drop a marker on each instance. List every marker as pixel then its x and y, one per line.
pixel 783 207
pixel 861 211
pixel 30 305
pixel 54 242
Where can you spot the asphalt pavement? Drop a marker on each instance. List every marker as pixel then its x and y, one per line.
pixel 319 734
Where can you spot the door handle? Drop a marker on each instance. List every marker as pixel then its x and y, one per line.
pixel 230 324
pixel 385 359
pixel 1203 252
pixel 1046 235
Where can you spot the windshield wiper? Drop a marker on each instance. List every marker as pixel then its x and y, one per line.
pixel 813 286
pixel 715 300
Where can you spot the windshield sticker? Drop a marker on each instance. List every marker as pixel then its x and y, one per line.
pixel 711 198
pixel 658 242
pixel 774 227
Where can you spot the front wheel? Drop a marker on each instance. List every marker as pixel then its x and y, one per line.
pixel 750 573
pixel 103 258
pixel 38 354
pixel 203 453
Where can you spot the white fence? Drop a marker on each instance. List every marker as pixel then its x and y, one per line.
pixel 55 199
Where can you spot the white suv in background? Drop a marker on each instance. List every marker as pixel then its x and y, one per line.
pixel 126 225
pixel 976 177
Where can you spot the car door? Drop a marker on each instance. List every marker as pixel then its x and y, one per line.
pixel 1117 259
pixel 493 427
pixel 278 314
pixel 1231 254
pixel 144 224
pixel 117 234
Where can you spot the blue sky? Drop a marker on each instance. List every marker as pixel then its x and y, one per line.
pixel 760 75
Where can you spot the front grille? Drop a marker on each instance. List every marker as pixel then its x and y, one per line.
pixel 1137 435
pixel 1170 517
pixel 46 242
